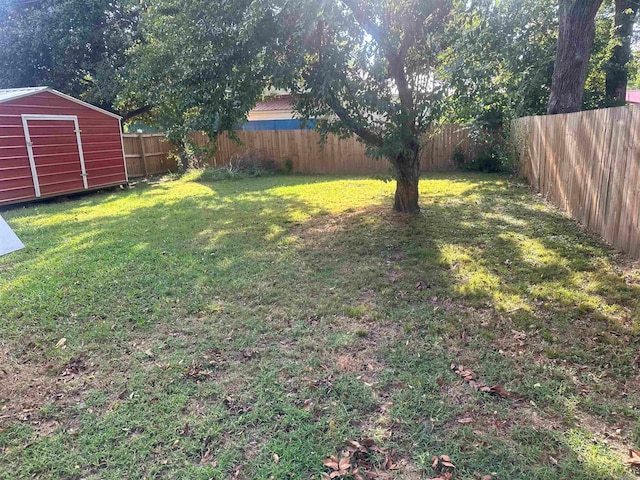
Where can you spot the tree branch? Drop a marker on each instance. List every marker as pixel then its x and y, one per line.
pixel 134 113
pixel 368 25
pixel 365 134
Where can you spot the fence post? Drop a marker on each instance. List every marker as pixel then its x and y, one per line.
pixel 143 154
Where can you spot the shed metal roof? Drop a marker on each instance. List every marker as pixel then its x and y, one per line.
pixel 11 93
pixel 14 93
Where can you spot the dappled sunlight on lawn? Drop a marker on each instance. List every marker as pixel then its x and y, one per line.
pixel 284 314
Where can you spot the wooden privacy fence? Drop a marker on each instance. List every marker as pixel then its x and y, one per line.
pixel 337 155
pixel 147 154
pixel 588 164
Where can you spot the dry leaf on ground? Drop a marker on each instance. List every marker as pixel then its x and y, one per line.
pixel 634 458
pixel 470 377
pixel 358 461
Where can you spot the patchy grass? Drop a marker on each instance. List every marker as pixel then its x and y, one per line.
pixel 210 326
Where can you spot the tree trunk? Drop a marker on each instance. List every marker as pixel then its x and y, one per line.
pixel 575 36
pixel 617 66
pixel 407 168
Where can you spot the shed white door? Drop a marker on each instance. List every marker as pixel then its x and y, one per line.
pixel 55 152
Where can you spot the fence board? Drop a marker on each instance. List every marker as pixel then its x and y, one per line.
pixel 147 154
pixel 588 164
pixel 304 149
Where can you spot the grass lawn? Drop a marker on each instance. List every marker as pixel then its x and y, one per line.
pixel 244 329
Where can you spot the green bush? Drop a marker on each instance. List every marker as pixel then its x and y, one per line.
pixel 458 158
pixel 492 160
pixel 251 163
pixel 288 166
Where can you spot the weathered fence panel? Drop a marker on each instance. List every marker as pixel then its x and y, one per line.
pixel 309 155
pixel 588 164
pixel 147 154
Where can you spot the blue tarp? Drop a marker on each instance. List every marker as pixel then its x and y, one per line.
pixel 293 124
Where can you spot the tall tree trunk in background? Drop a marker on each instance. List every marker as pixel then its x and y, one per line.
pixel 617 67
pixel 407 169
pixel 575 37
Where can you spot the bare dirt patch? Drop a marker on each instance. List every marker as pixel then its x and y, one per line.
pixel 26 387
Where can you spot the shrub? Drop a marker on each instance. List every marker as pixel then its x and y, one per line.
pixel 491 154
pixel 251 163
pixel 288 166
pixel 458 158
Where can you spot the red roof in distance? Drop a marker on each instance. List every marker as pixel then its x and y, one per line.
pixel 275 104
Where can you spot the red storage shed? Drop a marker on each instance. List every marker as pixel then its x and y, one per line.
pixel 52 144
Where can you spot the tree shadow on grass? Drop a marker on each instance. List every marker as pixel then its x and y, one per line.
pixel 352 310
pixel 516 291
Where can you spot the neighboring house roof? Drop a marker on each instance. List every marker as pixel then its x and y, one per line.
pixel 275 108
pixel 633 96
pixel 14 93
pixel 275 104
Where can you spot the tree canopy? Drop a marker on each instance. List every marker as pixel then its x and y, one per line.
pixel 77 47
pixel 204 64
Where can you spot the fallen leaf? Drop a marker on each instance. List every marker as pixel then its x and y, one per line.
pixel 207 458
pixel 344 463
pixel 331 462
pixel 357 446
pixel 499 390
pixel 634 458
pixel 61 342
pixel 236 474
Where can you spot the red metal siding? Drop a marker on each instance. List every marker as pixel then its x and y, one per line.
pixel 56 155
pixel 55 151
pixel 15 171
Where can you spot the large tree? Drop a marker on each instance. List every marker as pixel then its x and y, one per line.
pixel 370 70
pixel 575 36
pixel 617 68
pixel 77 47
pixel 363 68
